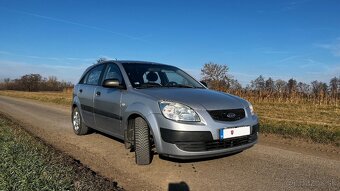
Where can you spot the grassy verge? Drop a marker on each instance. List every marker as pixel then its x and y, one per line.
pixel 316 133
pixel 29 164
pixel 318 123
pixel 61 98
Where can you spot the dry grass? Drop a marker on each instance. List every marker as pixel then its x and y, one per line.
pixel 61 98
pixel 304 113
pixel 319 123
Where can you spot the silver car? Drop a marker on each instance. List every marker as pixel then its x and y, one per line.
pixel 160 108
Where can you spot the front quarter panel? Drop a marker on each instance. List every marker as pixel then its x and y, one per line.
pixel 144 106
pixel 75 100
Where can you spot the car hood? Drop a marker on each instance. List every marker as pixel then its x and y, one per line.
pixel 196 98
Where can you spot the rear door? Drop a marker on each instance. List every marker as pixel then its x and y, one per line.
pixel 107 102
pixel 85 93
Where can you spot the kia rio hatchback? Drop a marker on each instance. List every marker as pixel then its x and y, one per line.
pixel 160 108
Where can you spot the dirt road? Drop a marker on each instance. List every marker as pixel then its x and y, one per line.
pixel 263 167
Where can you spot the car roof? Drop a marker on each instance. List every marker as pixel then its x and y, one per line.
pixel 124 62
pixel 120 62
pixel 130 62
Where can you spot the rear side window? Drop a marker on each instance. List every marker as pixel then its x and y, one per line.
pixel 93 76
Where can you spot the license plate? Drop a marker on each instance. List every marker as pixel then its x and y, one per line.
pixel 234 132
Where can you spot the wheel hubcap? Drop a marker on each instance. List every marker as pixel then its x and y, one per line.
pixel 76 121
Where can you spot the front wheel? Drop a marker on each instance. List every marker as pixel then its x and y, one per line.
pixel 142 142
pixel 79 127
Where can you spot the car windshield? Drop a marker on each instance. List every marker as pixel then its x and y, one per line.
pixel 143 75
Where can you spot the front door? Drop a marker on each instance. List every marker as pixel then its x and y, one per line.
pixel 107 108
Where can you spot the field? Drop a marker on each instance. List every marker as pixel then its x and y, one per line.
pixel 29 164
pixel 317 123
pixel 61 98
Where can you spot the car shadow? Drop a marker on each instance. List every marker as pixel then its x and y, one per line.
pixel 181 186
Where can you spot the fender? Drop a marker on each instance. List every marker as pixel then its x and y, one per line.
pixel 146 113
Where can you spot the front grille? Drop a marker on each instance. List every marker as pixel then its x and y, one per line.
pixel 215 145
pixel 227 115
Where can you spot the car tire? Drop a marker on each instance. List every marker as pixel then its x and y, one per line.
pixel 142 142
pixel 79 127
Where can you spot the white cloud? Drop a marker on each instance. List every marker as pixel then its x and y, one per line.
pixel 55 19
pixel 334 47
pixel 289 58
pixel 309 62
pixel 62 59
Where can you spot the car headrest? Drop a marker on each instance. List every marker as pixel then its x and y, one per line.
pixel 152 76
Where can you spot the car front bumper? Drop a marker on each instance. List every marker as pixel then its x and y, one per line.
pixel 201 140
pixel 200 144
pixel 180 154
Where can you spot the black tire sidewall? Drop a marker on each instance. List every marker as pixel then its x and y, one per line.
pixel 145 154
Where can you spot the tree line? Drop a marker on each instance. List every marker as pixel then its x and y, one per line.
pixel 217 77
pixel 34 82
pixel 262 89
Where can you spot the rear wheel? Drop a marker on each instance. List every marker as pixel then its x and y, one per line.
pixel 142 142
pixel 79 127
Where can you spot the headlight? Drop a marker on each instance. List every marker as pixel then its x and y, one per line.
pixel 251 109
pixel 178 112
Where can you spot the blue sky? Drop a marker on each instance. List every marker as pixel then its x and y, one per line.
pixel 284 39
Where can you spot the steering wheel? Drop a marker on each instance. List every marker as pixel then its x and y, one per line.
pixel 172 83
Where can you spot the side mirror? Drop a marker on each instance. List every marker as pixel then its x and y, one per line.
pixel 204 83
pixel 112 83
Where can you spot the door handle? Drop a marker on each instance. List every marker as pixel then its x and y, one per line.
pixel 97 93
pixel 81 90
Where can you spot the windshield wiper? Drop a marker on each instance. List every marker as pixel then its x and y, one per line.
pixel 179 86
pixel 148 85
pixel 145 86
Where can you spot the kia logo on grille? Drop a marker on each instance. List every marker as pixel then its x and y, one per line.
pixel 231 115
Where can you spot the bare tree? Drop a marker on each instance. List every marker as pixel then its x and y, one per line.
pixel 303 90
pixel 258 83
pixel 234 85
pixel 334 85
pixel 35 82
pixel 319 90
pixel 291 86
pixel 100 60
pixel 7 83
pixel 280 86
pixel 216 76
pixel 31 82
pixel 269 85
